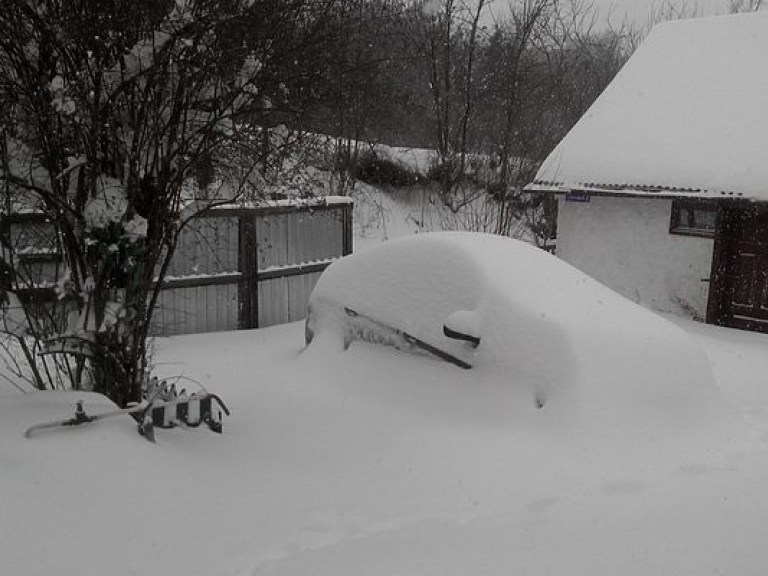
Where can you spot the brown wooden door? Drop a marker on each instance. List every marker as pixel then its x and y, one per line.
pixel 746 299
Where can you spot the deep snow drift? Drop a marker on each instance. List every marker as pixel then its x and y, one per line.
pixel 371 461
pixel 375 461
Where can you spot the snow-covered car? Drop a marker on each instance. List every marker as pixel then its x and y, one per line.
pixel 565 345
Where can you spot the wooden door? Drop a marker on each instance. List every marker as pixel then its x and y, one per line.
pixel 746 298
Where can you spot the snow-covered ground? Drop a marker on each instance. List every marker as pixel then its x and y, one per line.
pixel 383 215
pixel 378 462
pixel 370 461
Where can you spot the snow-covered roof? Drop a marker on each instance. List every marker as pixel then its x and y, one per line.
pixel 686 116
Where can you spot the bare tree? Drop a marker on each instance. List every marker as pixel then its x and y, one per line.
pixel 446 36
pixel 746 5
pixel 666 10
pixel 516 88
pixel 502 96
pixel 361 54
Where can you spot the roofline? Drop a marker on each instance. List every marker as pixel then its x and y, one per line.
pixel 631 190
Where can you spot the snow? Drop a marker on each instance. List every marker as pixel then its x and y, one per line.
pixel 603 366
pixel 13 319
pixel 108 206
pixel 383 215
pixel 298 266
pixel 213 275
pixel 367 461
pixel 291 202
pixel 374 461
pixel 685 112
pixel 135 228
pixel 417 160
pixel 24 163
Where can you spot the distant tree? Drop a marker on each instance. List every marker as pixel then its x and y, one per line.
pixel 572 62
pixel 501 95
pixel 746 5
pixel 446 36
pixel 121 120
pixel 359 87
pixel 515 90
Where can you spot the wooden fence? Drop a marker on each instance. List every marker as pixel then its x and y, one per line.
pixel 240 268
pixel 234 267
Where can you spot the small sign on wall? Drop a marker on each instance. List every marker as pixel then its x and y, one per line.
pixel 577 197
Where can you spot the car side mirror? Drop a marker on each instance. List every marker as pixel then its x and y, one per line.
pixel 462 325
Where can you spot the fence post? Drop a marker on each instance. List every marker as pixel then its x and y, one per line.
pixel 248 292
pixel 346 247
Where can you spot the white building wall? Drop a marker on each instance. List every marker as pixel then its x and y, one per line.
pixel 625 243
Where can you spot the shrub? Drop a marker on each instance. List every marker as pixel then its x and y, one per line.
pixel 372 169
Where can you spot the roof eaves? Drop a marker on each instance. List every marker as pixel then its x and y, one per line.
pixel 658 191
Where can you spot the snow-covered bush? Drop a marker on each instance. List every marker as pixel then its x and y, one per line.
pixel 111 114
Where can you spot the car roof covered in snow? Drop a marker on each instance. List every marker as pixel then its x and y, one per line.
pixel 686 116
pixel 545 327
